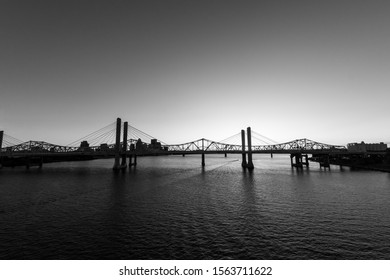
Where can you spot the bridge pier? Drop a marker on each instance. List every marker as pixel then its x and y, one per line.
pixel 249 135
pixel 131 162
pixel 306 162
pixel 124 149
pixel 203 161
pixel 243 163
pixel 1 146
pixel 117 165
pixel 33 161
pixel 324 161
pixel 298 160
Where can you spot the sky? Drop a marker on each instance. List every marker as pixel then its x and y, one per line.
pixel 184 70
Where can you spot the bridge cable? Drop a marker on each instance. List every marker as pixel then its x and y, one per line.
pixel 141 135
pixel 267 139
pixel 9 141
pixel 93 134
pixel 236 139
pixel 261 141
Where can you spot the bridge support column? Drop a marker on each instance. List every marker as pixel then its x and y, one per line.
pixel 243 163
pixel 298 160
pixel 124 149
pixel 306 162
pixel 324 161
pixel 1 146
pixel 131 162
pixel 203 161
pixel 225 154
pixel 249 135
pixel 117 144
pixel 28 162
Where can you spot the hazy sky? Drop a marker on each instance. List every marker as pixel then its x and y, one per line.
pixel 183 70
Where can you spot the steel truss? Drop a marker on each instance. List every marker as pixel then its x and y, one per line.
pixel 212 146
pixel 299 145
pixel 200 145
pixel 41 147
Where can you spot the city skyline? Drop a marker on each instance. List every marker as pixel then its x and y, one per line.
pixel 181 71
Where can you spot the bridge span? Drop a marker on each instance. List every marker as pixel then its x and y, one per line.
pixel 125 150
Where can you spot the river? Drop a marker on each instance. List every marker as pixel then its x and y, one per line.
pixel 169 207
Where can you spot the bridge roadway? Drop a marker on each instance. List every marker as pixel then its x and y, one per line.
pixel 111 153
pixel 38 152
pixel 41 148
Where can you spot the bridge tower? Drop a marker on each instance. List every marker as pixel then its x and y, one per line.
pixel 249 135
pixel 243 164
pixel 117 144
pixel 203 160
pixel 124 148
pixel 1 146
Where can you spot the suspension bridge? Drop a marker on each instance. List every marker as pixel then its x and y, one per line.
pixel 124 143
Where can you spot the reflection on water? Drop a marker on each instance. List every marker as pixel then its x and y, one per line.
pixel 172 208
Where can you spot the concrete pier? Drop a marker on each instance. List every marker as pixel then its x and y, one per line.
pixel 124 146
pixel 250 162
pixel 203 157
pixel 306 162
pixel 1 139
pixel 117 144
pixel 298 160
pixel 1 146
pixel 243 163
pixel 33 161
pixel 131 161
pixel 324 161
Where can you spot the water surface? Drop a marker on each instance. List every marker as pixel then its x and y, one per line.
pixel 172 208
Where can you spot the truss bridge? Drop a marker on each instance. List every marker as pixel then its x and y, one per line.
pixel 125 143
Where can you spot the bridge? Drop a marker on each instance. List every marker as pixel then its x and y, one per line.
pixel 125 143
